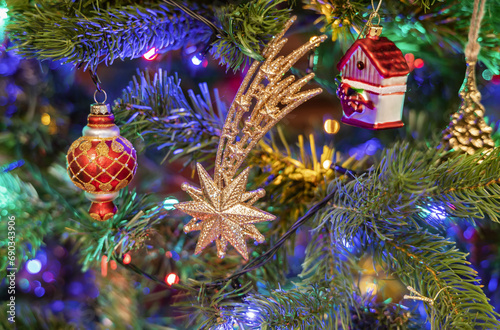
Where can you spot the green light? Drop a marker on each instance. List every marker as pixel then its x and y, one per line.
pixel 169 203
pixel 487 75
pixel 3 13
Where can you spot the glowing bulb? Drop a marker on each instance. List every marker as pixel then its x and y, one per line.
pixel 326 164
pixel 331 126
pixel 46 119
pixel 196 61
pixel 33 266
pixel 169 203
pixel 251 315
pixel 127 259
pixel 150 54
pixel 3 13
pixel 419 63
pixel 172 279
pixel 113 264
pixel 104 266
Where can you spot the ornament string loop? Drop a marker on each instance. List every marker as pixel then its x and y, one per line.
pixel 374 14
pixel 105 96
pixel 96 80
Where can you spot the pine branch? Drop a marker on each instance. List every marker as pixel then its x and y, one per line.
pixel 249 27
pixel 90 32
pixel 126 231
pixel 430 264
pixel 384 210
pixel 157 111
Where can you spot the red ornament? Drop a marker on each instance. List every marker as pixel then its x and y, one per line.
pixel 374 73
pixel 101 162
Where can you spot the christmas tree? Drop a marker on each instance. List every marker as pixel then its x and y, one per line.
pixel 355 143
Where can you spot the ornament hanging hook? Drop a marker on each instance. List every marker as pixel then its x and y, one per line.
pixel 97 83
pixel 374 14
pixel 105 96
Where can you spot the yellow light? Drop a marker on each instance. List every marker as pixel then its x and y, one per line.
pixel 371 288
pixel 46 119
pixel 331 126
pixel 326 164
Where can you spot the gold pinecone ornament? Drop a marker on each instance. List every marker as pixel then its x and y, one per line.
pixel 467 131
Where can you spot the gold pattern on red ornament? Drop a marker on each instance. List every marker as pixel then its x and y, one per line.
pixel 101 162
pixel 373 85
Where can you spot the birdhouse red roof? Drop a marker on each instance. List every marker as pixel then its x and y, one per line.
pixel 384 55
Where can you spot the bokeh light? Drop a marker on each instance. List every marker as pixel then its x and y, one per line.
pixel 33 266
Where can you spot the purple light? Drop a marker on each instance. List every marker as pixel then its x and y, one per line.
pixel 196 61
pixel 469 232
pixel 57 306
pixel 40 291
pixel 33 266
pixel 76 288
pixel 48 277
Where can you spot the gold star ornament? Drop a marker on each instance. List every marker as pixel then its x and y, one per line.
pixel 222 208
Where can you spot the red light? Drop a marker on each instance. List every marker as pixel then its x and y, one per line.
pixel 113 264
pixel 168 254
pixel 127 258
pixel 410 60
pixel 104 266
pixel 496 79
pixel 419 63
pixel 150 54
pixel 171 279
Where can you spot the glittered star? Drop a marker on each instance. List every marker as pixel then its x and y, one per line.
pixel 224 214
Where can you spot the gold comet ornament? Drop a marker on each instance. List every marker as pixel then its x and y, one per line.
pixel 222 208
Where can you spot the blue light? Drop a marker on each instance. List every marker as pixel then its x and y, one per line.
pixel 492 286
pixel 196 61
pixel 33 266
pixel 40 291
pixel 251 315
pixel 169 203
pixel 24 284
pixel 57 306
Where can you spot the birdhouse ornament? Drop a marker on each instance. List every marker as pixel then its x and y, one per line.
pixel 373 85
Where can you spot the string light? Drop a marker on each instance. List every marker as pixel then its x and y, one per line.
pixel 168 204
pixel 127 259
pixel 104 266
pixel 196 61
pixel 326 164
pixel 171 279
pixel 46 119
pixel 150 54
pixel 331 126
